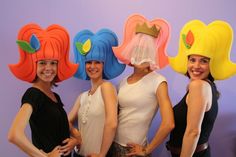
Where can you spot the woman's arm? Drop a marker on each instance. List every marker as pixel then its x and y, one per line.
pixel 197 101
pixel 167 117
pixel 73 115
pixel 110 100
pixel 167 123
pixel 75 139
pixel 16 134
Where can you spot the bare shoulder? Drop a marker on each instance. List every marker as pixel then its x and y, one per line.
pixel 109 93
pixel 199 84
pixel 107 86
pixel 77 101
pixel 79 97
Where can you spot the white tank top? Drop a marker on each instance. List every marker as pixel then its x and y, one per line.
pixel 91 119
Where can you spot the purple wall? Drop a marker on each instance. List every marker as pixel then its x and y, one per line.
pixel 80 14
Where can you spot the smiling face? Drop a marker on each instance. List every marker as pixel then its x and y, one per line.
pixel 46 70
pixel 198 67
pixel 94 69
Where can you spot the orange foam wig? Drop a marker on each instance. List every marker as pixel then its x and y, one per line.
pixel 54 44
pixel 161 41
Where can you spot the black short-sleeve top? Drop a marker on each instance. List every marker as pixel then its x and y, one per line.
pixel 48 122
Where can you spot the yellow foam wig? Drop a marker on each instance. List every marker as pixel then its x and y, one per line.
pixel 213 41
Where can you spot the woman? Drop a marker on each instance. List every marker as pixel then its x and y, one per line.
pixel 203 57
pixel 142 93
pixel 96 109
pixel 44 61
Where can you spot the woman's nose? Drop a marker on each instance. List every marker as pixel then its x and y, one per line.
pixel 48 66
pixel 92 65
pixel 196 65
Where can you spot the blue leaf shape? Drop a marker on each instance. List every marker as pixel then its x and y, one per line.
pixel 34 42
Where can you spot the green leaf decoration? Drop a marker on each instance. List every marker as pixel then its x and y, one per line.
pixel 25 46
pixel 79 47
pixel 185 43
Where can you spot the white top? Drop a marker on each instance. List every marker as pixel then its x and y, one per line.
pixel 137 107
pixel 91 119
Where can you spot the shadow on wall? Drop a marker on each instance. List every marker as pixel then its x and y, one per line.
pixel 233 148
pixel 223 138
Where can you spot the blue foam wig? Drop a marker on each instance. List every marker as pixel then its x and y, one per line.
pixel 101 50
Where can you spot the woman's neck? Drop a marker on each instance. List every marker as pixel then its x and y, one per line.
pixel 46 87
pixel 140 72
pixel 94 85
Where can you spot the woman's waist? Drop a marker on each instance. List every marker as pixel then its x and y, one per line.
pixel 137 137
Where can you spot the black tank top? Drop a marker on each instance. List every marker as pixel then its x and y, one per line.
pixel 180 115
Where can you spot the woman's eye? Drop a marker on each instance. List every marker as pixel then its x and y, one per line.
pixel 97 62
pixel 42 62
pixel 204 61
pixel 54 63
pixel 191 60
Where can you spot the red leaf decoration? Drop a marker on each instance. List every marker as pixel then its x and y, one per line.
pixel 190 38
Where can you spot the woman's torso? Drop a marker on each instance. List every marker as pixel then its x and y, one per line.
pixel 137 107
pixel 48 122
pixel 91 119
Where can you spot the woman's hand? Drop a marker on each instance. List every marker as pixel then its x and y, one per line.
pixel 55 152
pixel 69 144
pixel 136 149
pixel 94 155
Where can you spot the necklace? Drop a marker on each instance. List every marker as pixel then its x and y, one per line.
pixel 84 116
pixel 86 109
pixel 93 90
